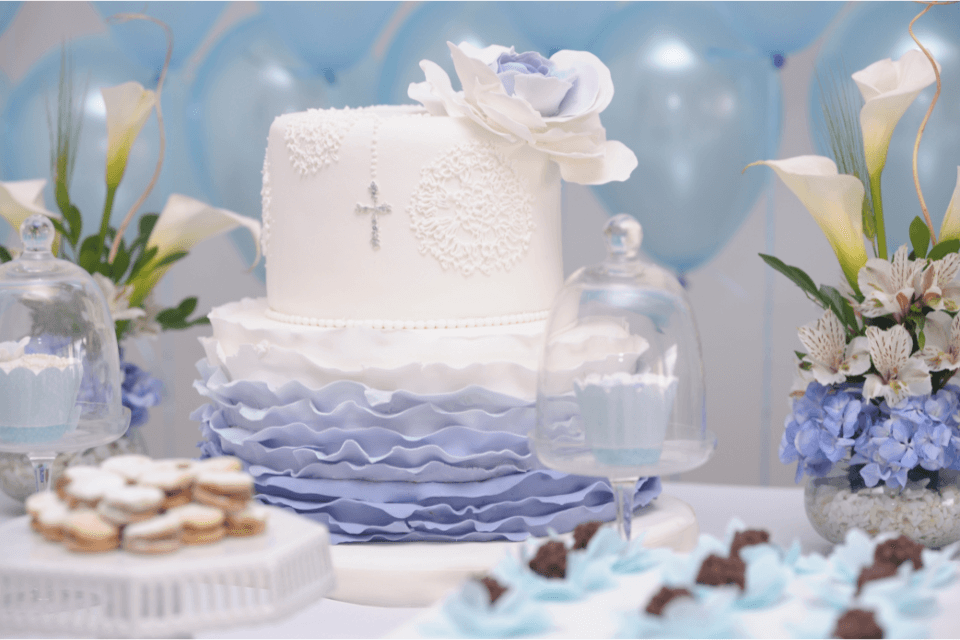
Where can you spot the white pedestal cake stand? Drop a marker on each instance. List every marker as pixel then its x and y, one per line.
pixel 44 588
pixel 420 573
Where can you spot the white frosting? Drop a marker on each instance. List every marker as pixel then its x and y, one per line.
pixel 248 345
pixel 37 362
pixel 473 228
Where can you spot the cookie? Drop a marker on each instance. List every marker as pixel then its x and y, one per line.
pixel 86 532
pixel 87 491
pixel 51 520
pixel 220 463
pixel 129 466
pixel 201 524
pixel 176 484
pixel 37 502
pixel 161 534
pixel 131 503
pixel 249 522
pixel 227 490
pixel 74 473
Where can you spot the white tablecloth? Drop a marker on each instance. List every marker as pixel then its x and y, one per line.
pixel 779 510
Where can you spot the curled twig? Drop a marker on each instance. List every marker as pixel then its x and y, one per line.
pixel 124 17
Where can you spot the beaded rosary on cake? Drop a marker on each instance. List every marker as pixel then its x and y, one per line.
pixel 375 208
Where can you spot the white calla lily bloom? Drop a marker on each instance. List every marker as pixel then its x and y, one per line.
pixel 831 359
pixel 183 223
pixel 128 106
pixel 950 227
pixel 889 88
pixel 888 285
pixel 900 374
pixel 834 200
pixel 942 341
pixel 20 199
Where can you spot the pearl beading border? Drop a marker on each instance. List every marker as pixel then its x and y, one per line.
pixel 456 323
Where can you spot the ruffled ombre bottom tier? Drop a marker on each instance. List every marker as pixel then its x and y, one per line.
pixel 398 466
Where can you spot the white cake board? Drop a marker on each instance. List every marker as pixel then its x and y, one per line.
pixel 418 574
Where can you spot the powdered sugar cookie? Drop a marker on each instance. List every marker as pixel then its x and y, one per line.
pixel 161 534
pixel 220 463
pixel 51 520
pixel 201 524
pixel 228 490
pixel 37 502
pixel 249 522
pixel 129 466
pixel 131 503
pixel 87 491
pixel 175 483
pixel 85 531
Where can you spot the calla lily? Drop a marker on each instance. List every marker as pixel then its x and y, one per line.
pixel 950 228
pixel 128 106
pixel 835 200
pixel 183 223
pixel 889 88
pixel 20 199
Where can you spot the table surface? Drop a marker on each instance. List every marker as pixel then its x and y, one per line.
pixel 779 510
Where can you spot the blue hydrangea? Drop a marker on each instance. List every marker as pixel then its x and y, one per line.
pixel 833 423
pixel 139 391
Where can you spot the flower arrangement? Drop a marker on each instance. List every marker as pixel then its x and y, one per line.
pixel 127 270
pixel 874 384
pixel 553 105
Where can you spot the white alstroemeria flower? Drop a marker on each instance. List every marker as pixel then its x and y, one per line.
pixel 828 353
pixel 836 202
pixel 183 223
pixel 117 299
pixel 553 105
pixel 888 286
pixel 20 199
pixel 942 341
pixel 147 325
pixel 801 380
pixel 950 228
pixel 889 88
pixel 900 374
pixel 937 285
pixel 128 106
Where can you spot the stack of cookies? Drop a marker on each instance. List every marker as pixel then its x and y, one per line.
pixel 148 506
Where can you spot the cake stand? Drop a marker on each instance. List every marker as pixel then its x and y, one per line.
pixel 44 588
pixel 418 574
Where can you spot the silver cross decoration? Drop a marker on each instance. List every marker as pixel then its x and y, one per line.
pixel 373 211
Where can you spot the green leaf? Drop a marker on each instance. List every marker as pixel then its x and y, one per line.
pixel 176 317
pixel 839 305
pixel 800 355
pixel 944 248
pixel 921 340
pixel 5 255
pixel 120 263
pixel 143 259
pixel 919 237
pixel 147 222
pixel 90 254
pixel 796 275
pixel 171 258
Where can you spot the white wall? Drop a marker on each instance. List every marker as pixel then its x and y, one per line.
pixel 747 315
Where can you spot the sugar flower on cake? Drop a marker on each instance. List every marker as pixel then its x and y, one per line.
pixel 474 611
pixel 551 104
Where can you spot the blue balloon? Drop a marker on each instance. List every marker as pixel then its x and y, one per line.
pixel 778 27
pixel 249 78
pixel 560 25
pixel 25 151
pixel 8 10
pixel 147 42
pixel 479 23
pixel 875 31
pixel 329 36
pixel 696 112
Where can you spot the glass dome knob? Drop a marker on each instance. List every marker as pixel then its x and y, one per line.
pixel 623 235
pixel 37 233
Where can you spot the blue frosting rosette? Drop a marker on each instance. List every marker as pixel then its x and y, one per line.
pixel 468 613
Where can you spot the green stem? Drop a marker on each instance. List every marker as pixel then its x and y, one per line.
pixel 878 215
pixel 105 220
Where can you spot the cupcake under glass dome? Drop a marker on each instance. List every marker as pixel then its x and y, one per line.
pixel 59 362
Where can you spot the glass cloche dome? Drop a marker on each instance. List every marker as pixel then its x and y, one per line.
pixel 621 384
pixel 59 362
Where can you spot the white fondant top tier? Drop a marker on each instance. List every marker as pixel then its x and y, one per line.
pixel 468 225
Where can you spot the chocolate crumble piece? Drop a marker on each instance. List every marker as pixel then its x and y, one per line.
pixel 857 623
pixel 583 533
pixel 747 538
pixel 719 571
pixel 665 596
pixel 493 587
pixel 876 571
pixel 551 560
pixel 899 550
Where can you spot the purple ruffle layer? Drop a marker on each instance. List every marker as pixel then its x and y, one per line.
pixel 398 466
